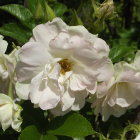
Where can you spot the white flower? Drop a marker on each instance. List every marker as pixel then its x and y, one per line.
pixel 7 65
pixel 121 92
pixel 60 65
pixel 9 113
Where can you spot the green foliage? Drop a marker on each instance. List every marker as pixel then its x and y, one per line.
pixel 72 125
pixel 16 31
pixel 123 48
pixel 32 133
pixel 21 13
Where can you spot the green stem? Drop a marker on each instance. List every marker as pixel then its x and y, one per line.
pixel 10 94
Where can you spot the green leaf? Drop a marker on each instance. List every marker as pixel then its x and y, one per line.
pixel 60 9
pixel 119 53
pixel 20 12
pixel 16 31
pixel 72 125
pixel 31 5
pixel 32 133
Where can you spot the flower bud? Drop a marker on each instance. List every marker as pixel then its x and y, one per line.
pixel 39 14
pixel 49 14
pixel 105 10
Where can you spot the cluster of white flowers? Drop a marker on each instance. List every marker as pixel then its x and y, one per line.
pixel 60 67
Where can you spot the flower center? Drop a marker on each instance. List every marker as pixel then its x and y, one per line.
pixel 66 66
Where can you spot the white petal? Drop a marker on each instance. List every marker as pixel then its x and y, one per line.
pixel 3 45
pixel 22 90
pixel 5 99
pixel 50 97
pixel 105 68
pixel 67 100
pixel 55 72
pixel 101 46
pixel 79 31
pixel 36 88
pixel 43 33
pixel 30 64
pixel 6 116
pixel 125 95
pixel 79 100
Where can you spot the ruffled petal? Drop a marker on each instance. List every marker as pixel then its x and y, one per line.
pixel 43 33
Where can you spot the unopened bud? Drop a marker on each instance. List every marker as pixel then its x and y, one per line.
pixel 105 10
pixel 49 14
pixel 39 14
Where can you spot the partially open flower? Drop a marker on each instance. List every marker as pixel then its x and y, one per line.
pixel 61 64
pixel 9 113
pixel 121 92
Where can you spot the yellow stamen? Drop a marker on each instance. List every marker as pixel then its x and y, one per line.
pixel 66 66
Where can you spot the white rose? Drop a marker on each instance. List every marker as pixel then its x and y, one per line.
pixel 9 113
pixel 121 92
pixel 60 65
pixel 7 65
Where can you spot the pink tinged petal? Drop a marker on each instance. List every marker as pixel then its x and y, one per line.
pixel 45 32
pixel 67 100
pixel 30 64
pixel 128 72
